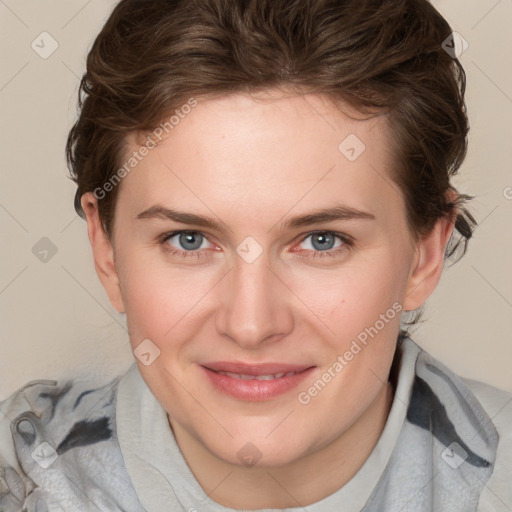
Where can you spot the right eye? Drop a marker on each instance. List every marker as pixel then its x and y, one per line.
pixel 184 243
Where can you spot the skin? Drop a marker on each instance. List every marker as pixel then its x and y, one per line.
pixel 251 162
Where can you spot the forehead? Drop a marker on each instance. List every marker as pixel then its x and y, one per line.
pixel 269 151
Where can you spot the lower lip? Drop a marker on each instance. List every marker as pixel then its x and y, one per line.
pixel 255 390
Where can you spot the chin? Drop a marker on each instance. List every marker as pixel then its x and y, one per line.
pixel 258 450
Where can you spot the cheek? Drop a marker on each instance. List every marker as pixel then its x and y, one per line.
pixel 167 302
pixel 160 300
pixel 352 297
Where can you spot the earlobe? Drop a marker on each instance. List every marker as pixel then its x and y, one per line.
pixel 103 252
pixel 428 267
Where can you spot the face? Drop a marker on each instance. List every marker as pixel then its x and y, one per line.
pixel 226 263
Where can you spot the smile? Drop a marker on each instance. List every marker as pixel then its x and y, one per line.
pixel 256 377
pixel 254 383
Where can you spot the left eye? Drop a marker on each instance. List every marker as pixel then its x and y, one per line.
pixel 323 241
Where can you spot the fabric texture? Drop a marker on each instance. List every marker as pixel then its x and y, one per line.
pixel 66 446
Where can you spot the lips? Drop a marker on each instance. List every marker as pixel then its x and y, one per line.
pixel 240 368
pixel 242 376
pixel 255 382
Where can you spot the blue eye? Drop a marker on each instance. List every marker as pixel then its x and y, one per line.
pixel 190 241
pixel 187 244
pixel 323 243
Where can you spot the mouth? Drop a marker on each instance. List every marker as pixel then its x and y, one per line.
pixel 242 376
pixel 255 382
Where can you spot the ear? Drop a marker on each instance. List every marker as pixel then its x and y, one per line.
pixel 103 251
pixel 429 262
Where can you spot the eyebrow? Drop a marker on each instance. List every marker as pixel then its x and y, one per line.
pixel 339 212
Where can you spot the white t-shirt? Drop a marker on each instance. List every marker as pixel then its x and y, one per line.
pixel 64 446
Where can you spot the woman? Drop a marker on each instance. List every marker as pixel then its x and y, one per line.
pixel 266 186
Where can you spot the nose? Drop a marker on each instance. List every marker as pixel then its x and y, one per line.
pixel 255 305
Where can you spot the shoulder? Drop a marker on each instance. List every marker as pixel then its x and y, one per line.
pixel 497 403
pixel 55 434
pixel 497 494
pixel 467 425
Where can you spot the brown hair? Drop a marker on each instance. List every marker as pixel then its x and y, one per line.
pixel 381 56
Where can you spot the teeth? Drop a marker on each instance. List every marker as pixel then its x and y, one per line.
pixel 256 377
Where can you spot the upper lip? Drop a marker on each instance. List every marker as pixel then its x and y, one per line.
pixel 255 369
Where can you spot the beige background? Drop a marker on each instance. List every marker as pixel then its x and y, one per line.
pixel 55 319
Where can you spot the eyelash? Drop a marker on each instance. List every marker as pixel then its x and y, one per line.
pixel 348 243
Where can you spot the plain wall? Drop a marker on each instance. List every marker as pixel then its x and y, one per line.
pixel 55 318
